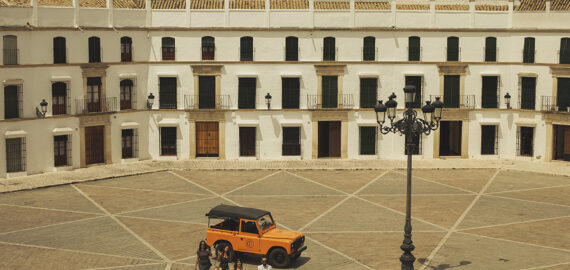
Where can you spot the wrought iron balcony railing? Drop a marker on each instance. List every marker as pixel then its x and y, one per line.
pixel 548 103
pixel 458 102
pixel 218 102
pixel 317 102
pixel 85 106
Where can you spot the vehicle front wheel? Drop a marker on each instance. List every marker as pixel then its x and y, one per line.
pixel 296 256
pixel 279 258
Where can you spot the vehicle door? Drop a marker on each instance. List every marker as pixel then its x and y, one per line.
pixel 248 240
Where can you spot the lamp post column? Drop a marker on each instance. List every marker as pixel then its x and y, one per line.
pixel 407 246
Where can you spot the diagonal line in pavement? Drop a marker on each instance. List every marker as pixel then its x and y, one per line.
pixel 438 183
pixel 517 199
pixel 548 266
pixel 51 209
pixel 124 266
pixel 164 205
pixel 253 182
pixel 526 189
pixel 511 223
pixel 54 224
pixel 122 225
pixel 513 241
pixel 459 220
pixel 139 189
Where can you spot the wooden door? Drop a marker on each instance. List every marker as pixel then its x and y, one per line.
pixel 567 141
pixel 207 139
pixel 247 141
pixel 334 139
pixel 94 144
pixel 60 150
pixel 94 94
pixel 323 143
pixel 59 98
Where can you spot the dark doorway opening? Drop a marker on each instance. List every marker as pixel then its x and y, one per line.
pixel 450 138
pixel 329 139
pixel 562 142
pixel 247 141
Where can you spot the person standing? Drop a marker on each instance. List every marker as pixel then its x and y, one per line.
pixel 203 257
pixel 238 265
pixel 264 265
pixel 224 258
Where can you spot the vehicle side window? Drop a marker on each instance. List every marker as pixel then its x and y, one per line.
pixel 248 227
pixel 228 225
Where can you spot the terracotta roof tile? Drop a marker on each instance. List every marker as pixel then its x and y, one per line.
pixel 531 5
pixel 17 3
pixel 332 5
pixel 289 4
pixel 371 5
pixel 207 4
pixel 560 5
pixel 135 4
pixel 456 7
pixel 491 7
pixel 55 3
pixel 410 6
pixel 247 4
pixel 168 4
pixel 2 4
pixel 93 3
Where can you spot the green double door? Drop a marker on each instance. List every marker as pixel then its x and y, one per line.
pixel 451 91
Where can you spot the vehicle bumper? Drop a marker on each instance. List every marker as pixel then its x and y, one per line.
pixel 298 252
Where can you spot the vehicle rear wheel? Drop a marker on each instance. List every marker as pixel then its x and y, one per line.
pixel 279 258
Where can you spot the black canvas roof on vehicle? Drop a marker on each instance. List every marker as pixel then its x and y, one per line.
pixel 235 212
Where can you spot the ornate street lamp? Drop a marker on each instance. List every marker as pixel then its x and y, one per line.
pixel 268 101
pixel 508 100
pixel 411 126
pixel 41 112
pixel 150 101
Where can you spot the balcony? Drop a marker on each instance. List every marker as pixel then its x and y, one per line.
pixel 316 102
pixel 552 104
pixel 460 102
pixel 221 102
pixel 10 56
pixel 86 106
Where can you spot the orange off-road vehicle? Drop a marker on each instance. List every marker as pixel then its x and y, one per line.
pixel 250 230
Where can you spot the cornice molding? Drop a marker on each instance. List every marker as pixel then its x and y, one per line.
pixel 452 68
pixel 207 69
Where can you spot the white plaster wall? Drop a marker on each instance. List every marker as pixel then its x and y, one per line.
pixel 207 18
pixel 282 18
pixel 332 19
pixel 15 16
pixel 246 18
pixel 182 134
pixel 55 16
pixel 169 18
pixel 365 18
pixel 129 18
pixel 94 17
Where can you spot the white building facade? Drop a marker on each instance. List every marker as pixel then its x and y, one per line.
pixel 210 64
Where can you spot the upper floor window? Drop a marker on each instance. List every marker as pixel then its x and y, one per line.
pixel 291 49
pixel 59 98
pixel 94 50
pixel 369 49
pixel 329 49
pixel 414 48
pixel 59 50
pixel 452 49
pixel 417 82
pixel 126 93
pixel 168 48
pixel 246 93
pixel 13 101
pixel 528 51
pixel 565 50
pixel 290 91
pixel 126 49
pixel 490 49
pixel 10 51
pixel 167 94
pixel 208 48
pixel 246 49
pixel 368 92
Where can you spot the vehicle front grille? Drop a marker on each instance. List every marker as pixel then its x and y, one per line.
pixel 299 242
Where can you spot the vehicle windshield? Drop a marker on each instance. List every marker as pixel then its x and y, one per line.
pixel 265 221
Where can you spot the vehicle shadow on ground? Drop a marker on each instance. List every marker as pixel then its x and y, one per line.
pixel 255 259
pixel 443 266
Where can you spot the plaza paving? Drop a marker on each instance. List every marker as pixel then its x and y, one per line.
pixel 462 218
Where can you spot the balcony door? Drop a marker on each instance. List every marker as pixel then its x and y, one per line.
pixel 451 91
pixel 59 98
pixel 207 139
pixel 489 95
pixel 93 94
pixel 563 95
pixel 330 91
pixel 207 92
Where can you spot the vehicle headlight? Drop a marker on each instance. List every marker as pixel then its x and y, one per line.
pixel 292 245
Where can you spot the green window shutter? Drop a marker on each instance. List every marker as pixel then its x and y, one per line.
pixel 565 51
pixel 528 51
pixel 489 92
pixel 451 91
pixel 291 141
pixel 330 92
pixel 291 49
pixel 491 49
pixel 414 48
pixel 59 55
pixel 368 140
pixel 246 93
pixel 290 93
pixel 452 49
pixel 11 103
pixel 417 82
pixel 528 93
pixel 488 136
pixel 207 92
pixel 94 50
pixel 563 95
pixel 246 49
pixel 368 89
pixel 369 49
pixel 329 49
pixel 167 93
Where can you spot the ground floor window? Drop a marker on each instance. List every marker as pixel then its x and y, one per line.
pixel 247 141
pixel 489 140
pixel 62 150
pixel 129 142
pixel 368 140
pixel 16 155
pixel 168 141
pixel 291 141
pixel 525 136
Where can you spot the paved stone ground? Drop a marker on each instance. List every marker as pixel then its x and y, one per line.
pixel 471 218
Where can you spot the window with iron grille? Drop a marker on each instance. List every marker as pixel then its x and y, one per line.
pixel 489 95
pixel 291 141
pixel 16 155
pixel 126 93
pixel 528 51
pixel 167 93
pixel 246 49
pixel 290 91
pixel 246 93
pixel 59 50
pixel 13 101
pixel 129 143
pixel 369 49
pixel 368 140
pixel 329 49
pixel 417 141
pixel 126 49
pixel 10 50
pixel 291 49
pixel 168 48
pixel 61 150
pixel 525 137
pixel 168 141
pixel 59 98
pixel 452 49
pixel 329 91
pixel 489 140
pixel 528 93
pixel 565 50
pixel 208 48
pixel 94 50
pixel 490 49
pixel 368 92
pixel 417 82
pixel 414 48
